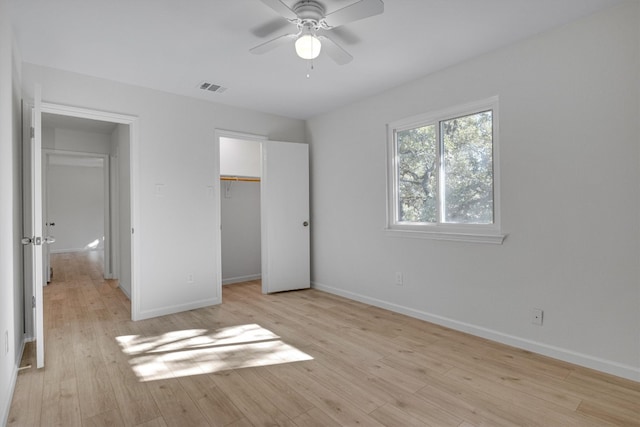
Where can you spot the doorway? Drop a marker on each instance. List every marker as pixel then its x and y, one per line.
pixel 240 210
pixel 122 212
pixel 83 178
pixel 76 214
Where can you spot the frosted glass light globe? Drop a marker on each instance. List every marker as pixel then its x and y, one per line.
pixel 308 46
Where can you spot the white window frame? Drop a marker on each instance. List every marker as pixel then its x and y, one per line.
pixel 479 233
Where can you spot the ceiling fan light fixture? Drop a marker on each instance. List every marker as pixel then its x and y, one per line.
pixel 308 46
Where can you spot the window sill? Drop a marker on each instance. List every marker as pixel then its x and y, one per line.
pixel 455 236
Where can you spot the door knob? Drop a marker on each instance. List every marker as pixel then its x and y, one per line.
pixel 306 223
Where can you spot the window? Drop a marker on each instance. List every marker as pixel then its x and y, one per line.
pixel 443 178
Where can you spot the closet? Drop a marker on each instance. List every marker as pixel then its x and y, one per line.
pixel 264 213
pixel 240 210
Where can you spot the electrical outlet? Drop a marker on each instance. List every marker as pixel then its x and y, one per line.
pixel 536 316
pixel 399 279
pixel 190 279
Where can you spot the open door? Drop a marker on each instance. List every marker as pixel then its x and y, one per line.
pixel 33 238
pixel 284 204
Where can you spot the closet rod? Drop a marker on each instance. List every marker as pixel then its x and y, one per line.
pixel 238 178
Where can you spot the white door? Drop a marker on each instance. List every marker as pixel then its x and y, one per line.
pixel 33 237
pixel 284 206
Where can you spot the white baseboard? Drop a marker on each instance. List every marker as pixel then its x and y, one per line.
pixel 239 279
pixel 608 366
pixel 177 308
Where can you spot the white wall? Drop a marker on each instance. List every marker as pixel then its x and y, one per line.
pixel 569 148
pixel 240 213
pixel 239 158
pixel 76 206
pixel 11 308
pixel 75 140
pixel 176 226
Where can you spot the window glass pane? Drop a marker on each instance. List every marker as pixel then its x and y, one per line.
pixel 467 147
pixel 417 183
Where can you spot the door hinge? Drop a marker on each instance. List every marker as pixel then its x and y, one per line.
pixel 33 132
pixel 33 302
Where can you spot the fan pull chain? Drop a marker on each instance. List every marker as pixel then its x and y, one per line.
pixel 310 68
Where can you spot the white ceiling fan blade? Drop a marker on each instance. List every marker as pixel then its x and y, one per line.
pixel 334 51
pixel 354 12
pixel 274 26
pixel 281 8
pixel 272 44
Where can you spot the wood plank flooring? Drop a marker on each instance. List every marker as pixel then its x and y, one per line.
pixel 302 358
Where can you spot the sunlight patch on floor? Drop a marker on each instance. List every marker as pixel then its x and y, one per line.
pixel 201 351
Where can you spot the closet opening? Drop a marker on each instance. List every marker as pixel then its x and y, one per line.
pixel 240 172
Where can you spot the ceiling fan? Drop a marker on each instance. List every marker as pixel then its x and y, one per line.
pixel 310 18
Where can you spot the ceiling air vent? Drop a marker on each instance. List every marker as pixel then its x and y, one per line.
pixel 211 87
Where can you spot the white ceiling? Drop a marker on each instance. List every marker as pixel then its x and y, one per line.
pixel 173 45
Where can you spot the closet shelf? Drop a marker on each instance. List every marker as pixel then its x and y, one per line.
pixel 238 178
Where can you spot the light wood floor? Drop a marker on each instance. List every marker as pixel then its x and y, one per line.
pixel 302 358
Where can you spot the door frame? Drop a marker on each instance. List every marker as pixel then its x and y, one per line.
pixel 132 122
pixel 223 133
pixel 109 192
